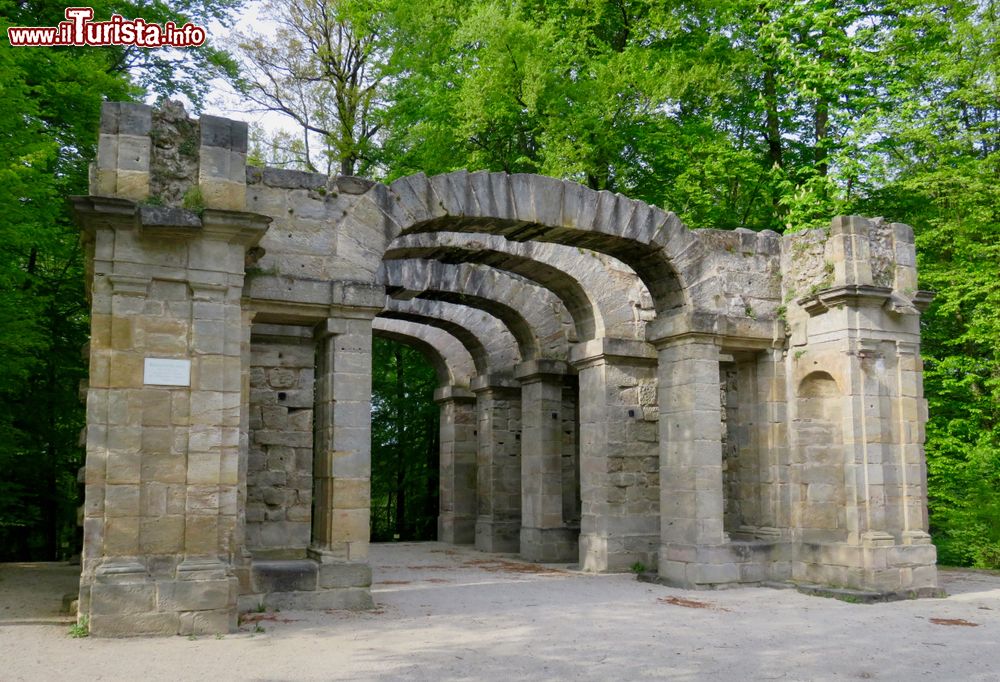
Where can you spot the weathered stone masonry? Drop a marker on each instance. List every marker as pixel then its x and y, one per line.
pixel 725 407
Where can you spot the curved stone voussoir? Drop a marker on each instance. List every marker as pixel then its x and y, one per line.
pixel 527 207
pixel 533 314
pixel 451 361
pixel 491 345
pixel 603 295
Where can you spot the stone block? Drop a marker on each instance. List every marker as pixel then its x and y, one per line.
pixel 194 595
pixel 134 624
pixel 161 534
pixel 219 621
pixel 284 576
pixel 338 575
pixel 713 574
pixel 122 598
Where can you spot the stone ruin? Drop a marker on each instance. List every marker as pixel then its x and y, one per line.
pixel 722 407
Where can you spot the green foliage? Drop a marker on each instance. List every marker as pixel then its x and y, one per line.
pixel 193 199
pixel 80 629
pixel 942 135
pixel 404 444
pixel 50 100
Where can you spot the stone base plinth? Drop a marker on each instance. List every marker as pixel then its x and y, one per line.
pixel 603 554
pixel 498 536
pixel 456 530
pixel 306 584
pixel 877 566
pixel 552 545
pixel 727 565
pixel 198 601
pixel 880 566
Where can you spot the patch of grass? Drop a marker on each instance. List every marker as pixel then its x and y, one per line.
pixel 80 629
pixel 258 628
pixel 638 567
pixel 194 200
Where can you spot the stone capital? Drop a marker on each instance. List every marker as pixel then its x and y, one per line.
pixel 611 349
pixel 539 370
pixel 445 394
pixel 852 295
pixel 493 382
pixel 735 333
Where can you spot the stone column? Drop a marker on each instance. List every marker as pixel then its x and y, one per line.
pixel 498 463
pixel 691 497
pixel 619 458
pixel 457 465
pixel 544 534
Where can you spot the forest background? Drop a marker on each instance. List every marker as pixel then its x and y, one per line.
pixel 766 114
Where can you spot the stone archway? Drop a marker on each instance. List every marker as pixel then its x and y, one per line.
pixel 179 296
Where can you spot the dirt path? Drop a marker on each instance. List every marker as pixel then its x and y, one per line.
pixel 448 613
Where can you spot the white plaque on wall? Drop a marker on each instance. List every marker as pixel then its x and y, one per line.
pixel 166 372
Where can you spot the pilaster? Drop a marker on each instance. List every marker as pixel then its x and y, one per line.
pixel 619 458
pixel 498 463
pixel 457 515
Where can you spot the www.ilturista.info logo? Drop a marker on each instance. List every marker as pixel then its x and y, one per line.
pixel 78 29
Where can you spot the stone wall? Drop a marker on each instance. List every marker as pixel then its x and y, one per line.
pixel 280 458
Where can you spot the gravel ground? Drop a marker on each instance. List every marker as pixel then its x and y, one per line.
pixel 447 613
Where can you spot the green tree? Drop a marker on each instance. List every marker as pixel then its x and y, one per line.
pixel 404 444
pixel 50 100
pixel 937 153
pixel 320 68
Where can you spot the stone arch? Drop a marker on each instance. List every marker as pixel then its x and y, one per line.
pixel 654 243
pixel 819 425
pixel 450 359
pixel 534 315
pixel 600 292
pixel 485 338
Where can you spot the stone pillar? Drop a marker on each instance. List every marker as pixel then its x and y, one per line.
pixel 164 416
pixel 544 532
pixel 457 516
pixel 859 354
pixel 498 463
pixel 342 440
pixel 619 458
pixel 691 496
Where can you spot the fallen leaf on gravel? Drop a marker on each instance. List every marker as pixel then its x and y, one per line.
pixel 690 603
pixel 954 621
pixel 498 565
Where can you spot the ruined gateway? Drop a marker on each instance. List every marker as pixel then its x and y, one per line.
pixel 723 407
